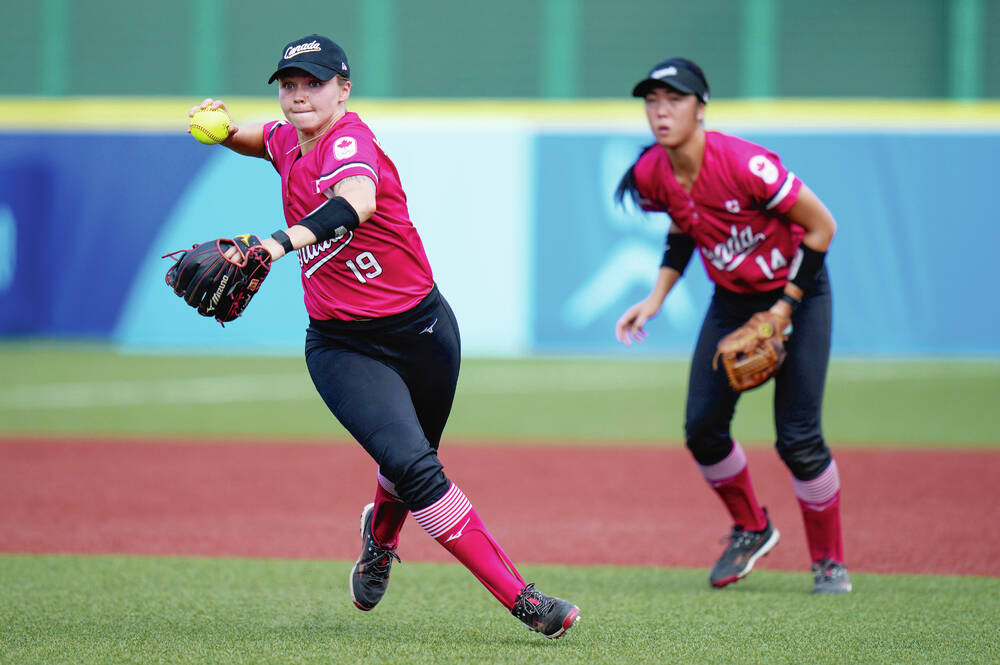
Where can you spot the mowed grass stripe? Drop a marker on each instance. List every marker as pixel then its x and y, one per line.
pixel 51 389
pixel 58 609
pixel 285 387
pixel 197 390
pixel 509 378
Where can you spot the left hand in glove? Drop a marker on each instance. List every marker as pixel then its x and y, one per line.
pixel 753 353
pixel 218 278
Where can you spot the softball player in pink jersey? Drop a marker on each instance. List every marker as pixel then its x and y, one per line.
pixel 382 344
pixel 763 236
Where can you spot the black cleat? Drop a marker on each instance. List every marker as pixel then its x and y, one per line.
pixel 370 574
pixel 543 614
pixel 831 578
pixel 744 548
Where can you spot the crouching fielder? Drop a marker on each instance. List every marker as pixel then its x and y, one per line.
pixel 763 236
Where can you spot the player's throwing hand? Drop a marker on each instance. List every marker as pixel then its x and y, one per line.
pixel 382 343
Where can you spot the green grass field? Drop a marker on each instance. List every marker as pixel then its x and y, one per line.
pixel 122 609
pixel 69 390
pixel 183 610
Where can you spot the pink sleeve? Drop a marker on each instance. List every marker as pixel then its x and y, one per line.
pixel 770 184
pixel 351 152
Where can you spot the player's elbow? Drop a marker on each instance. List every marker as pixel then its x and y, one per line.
pixel 358 191
pixel 830 227
pixel 365 209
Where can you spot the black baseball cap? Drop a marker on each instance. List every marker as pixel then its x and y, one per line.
pixel 315 54
pixel 677 73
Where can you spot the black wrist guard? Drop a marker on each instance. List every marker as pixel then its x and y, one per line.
pixel 333 219
pixel 792 302
pixel 284 240
pixel 678 251
pixel 805 266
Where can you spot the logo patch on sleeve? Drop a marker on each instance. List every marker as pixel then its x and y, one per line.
pixel 346 147
pixel 764 168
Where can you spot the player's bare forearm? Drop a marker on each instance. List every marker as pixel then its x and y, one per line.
pixel 248 139
pixel 666 278
pixel 299 235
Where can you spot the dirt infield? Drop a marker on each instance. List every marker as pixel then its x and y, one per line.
pixel 905 511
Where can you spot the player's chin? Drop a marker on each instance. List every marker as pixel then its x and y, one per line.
pixel 667 139
pixel 304 120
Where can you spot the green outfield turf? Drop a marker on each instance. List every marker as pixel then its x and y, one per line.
pixel 125 609
pixel 101 610
pixel 53 389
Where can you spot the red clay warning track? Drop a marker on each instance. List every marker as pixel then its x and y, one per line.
pixel 904 511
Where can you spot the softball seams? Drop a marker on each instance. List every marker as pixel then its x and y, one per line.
pixel 208 133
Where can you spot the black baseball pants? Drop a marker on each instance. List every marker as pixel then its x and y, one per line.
pixel 391 382
pixel 798 390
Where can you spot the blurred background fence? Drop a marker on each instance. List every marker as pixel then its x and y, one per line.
pixel 510 124
pixel 518 48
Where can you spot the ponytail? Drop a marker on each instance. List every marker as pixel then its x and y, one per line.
pixel 626 186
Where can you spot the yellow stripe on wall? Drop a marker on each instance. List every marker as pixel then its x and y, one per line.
pixel 164 114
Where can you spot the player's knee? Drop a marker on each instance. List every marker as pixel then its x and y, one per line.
pixel 805 458
pixel 419 481
pixel 708 449
pixel 707 443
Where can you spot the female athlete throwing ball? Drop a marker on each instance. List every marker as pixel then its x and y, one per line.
pixel 382 345
pixel 763 236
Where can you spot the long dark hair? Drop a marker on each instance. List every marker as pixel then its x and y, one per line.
pixel 626 186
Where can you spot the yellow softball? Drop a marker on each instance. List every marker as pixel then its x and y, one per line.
pixel 210 126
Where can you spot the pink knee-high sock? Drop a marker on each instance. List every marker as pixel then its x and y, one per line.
pixel 389 514
pixel 819 500
pixel 730 479
pixel 455 524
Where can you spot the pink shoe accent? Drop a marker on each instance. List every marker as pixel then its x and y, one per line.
pixel 569 620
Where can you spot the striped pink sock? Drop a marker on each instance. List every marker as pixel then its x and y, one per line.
pixel 454 523
pixel 389 514
pixel 819 500
pixel 730 479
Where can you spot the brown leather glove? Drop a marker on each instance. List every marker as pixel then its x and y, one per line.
pixel 753 353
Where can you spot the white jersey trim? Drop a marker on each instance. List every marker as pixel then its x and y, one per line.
pixel 320 186
pixel 342 244
pixel 793 269
pixel 783 192
pixel 270 135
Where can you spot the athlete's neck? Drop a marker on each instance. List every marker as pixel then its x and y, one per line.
pixel 686 159
pixel 308 141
